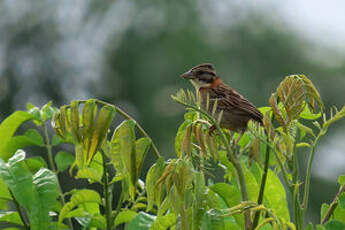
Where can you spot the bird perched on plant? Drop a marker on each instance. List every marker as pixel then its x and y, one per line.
pixel 237 110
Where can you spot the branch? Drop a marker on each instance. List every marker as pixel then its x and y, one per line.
pixel 333 205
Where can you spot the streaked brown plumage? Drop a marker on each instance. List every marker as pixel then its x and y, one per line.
pixel 237 110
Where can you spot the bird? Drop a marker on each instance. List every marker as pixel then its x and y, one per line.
pixel 237 110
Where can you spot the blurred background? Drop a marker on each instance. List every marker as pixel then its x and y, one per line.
pixel 131 53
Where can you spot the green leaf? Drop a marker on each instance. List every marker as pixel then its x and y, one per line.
pixel 63 160
pixel 320 227
pixel 308 115
pixel 264 109
pixel 36 114
pixel 164 222
pixel 324 209
pixel 154 190
pixel 8 127
pixel 56 140
pixel 339 115
pixel 252 185
pixel 142 221
pixel 104 118
pixel 275 194
pixel 35 163
pixel 142 147
pixel 310 227
pixel 199 202
pixel 232 196
pixel 10 217
pixel 339 214
pixel 97 164
pixel 80 197
pixel 90 174
pixel 179 137
pixel 341 180
pixel 18 178
pixel 4 195
pixel 37 194
pixel 35 137
pixel 213 220
pixel 47 111
pixel 46 193
pixel 124 217
pixel 123 154
pixel 92 222
pixel 335 225
pixel 342 201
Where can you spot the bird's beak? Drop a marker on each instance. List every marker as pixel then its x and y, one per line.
pixel 188 75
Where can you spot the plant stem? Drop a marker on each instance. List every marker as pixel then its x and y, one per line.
pixel 128 117
pixel 333 205
pixel 264 177
pixel 308 174
pixel 21 214
pixel 262 185
pixel 107 195
pixel 119 204
pixel 49 148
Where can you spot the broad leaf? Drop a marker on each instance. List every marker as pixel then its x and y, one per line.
pixel 142 221
pixel 123 154
pixel 154 191
pixel 275 194
pixel 213 220
pixel 80 197
pixel 164 222
pixel 7 129
pixel 341 180
pixel 231 195
pixel 35 163
pixel 335 225
pixel 63 160
pixel 10 217
pixel 142 147
pixel 124 217
pixel 37 194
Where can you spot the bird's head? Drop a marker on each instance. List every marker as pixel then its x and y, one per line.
pixel 201 76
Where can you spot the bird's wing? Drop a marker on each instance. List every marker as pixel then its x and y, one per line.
pixel 230 100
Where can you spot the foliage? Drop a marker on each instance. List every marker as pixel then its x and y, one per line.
pixel 180 193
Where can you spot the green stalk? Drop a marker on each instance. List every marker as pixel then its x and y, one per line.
pixel 263 179
pixel 298 212
pixel 262 186
pixel 119 204
pixel 308 174
pixel 107 195
pixel 49 148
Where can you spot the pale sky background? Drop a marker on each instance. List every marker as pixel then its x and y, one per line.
pixel 321 22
